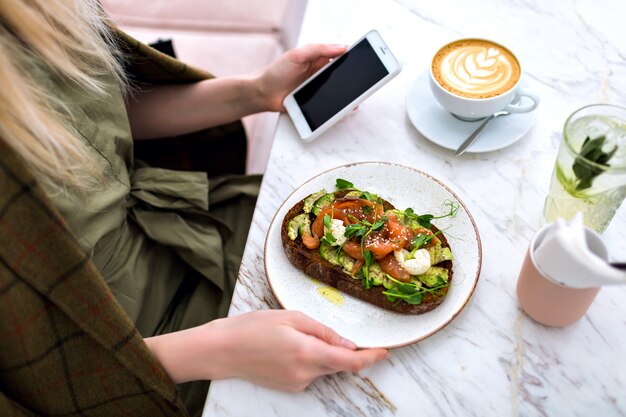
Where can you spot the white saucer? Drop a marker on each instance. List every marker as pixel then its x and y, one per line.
pixel 442 128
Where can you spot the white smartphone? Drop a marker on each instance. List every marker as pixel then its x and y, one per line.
pixel 337 88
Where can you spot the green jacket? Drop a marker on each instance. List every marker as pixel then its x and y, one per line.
pixel 66 346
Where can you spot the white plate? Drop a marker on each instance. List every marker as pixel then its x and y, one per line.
pixel 363 323
pixel 441 127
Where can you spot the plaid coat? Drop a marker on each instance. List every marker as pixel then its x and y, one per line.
pixel 66 347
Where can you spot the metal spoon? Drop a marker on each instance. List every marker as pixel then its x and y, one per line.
pixel 618 265
pixel 472 138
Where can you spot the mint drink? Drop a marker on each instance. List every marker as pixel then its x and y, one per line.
pixel 590 170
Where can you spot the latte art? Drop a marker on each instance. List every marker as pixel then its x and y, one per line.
pixel 475 68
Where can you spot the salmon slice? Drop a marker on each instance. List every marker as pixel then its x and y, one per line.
pixel 380 245
pixel 398 231
pixel 353 249
pixel 311 242
pixel 357 265
pixel 348 211
pixel 393 236
pixel 390 266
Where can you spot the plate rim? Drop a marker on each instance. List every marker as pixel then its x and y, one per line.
pixel 471 218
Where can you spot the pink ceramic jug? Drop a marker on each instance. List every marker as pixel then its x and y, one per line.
pixel 547 301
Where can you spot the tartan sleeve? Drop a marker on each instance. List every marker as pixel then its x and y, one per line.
pixel 66 346
pixel 9 408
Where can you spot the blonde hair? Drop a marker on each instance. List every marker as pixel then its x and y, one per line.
pixel 73 39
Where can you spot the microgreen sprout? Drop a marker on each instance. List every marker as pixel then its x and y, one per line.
pixel 328 237
pixel 424 220
pixel 342 184
pixel 411 292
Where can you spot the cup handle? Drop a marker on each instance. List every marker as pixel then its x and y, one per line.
pixel 512 108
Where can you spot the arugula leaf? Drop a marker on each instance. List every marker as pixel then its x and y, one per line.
pixel 343 184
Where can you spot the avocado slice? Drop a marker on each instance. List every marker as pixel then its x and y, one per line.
pixel 434 276
pixel 354 194
pixel 439 254
pixel 311 199
pixel 337 257
pixel 377 275
pixel 299 225
pixel 323 202
pixel 331 254
pixel 347 262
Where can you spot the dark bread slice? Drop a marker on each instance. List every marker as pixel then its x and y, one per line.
pixel 311 263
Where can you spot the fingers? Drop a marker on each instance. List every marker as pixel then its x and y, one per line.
pixel 338 359
pixel 318 55
pixel 307 325
pixel 334 353
pixel 318 52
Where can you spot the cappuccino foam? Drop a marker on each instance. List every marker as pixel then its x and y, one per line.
pixel 475 68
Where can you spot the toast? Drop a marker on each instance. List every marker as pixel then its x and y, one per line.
pixel 332 266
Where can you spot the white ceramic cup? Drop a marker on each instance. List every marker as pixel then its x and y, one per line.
pixel 512 100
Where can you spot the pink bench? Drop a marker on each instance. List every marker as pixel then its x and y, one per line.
pixel 224 37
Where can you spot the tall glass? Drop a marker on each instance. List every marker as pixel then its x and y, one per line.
pixel 590 171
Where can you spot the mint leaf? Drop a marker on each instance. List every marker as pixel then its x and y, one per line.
pixel 586 163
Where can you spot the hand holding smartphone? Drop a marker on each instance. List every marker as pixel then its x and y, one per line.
pixel 339 87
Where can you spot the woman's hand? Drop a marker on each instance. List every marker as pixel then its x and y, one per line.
pixel 171 110
pixel 284 350
pixel 291 69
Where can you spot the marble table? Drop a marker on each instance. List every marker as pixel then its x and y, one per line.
pixel 491 360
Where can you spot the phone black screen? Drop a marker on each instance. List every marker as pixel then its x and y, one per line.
pixel 343 81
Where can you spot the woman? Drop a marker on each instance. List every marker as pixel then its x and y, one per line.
pixel 167 243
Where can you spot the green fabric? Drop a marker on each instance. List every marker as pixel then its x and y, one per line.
pixel 167 243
